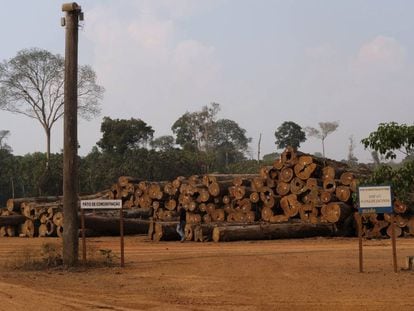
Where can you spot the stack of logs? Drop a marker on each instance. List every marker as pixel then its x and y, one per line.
pixel 300 195
pixel 37 216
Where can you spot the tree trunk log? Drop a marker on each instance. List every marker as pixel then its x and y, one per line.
pixel 110 225
pixel 12 220
pixel 270 231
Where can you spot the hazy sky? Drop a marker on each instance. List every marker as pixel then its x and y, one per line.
pixel 265 62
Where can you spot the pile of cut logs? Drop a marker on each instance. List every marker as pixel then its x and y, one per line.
pixel 299 196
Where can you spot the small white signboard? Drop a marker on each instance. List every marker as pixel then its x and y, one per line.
pixel 101 204
pixel 375 199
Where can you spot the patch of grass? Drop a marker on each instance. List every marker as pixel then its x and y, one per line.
pixel 49 256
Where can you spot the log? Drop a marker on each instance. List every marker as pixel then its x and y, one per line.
pixel 410 225
pixel 282 188
pixel 306 212
pixel 12 220
pixel 144 213
pixel 14 204
pixel 28 228
pixel 219 188
pixel 328 172
pixel 313 183
pixel 166 231
pixel 336 211
pixel 286 174
pixel 58 219
pixel 123 181
pixel 329 185
pixel 398 231
pixel 110 225
pixel 11 231
pixel 346 178
pixel 202 232
pixel 278 164
pixel 289 157
pixel 304 171
pixel 343 193
pixel 278 218
pixel 59 231
pixel 401 221
pixel 399 207
pixel 297 186
pixel 290 205
pixel 270 231
pixel 258 183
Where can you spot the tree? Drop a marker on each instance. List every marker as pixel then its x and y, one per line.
pixel 352 159
pixel 391 137
pixel 289 134
pixel 163 143
pixel 229 139
pixel 31 84
pixel 120 135
pixel 4 134
pixel 325 128
pixel 193 129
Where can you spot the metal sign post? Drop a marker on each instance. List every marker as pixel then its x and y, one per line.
pixel 102 204
pixel 376 199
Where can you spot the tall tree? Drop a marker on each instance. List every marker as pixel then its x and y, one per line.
pixel 4 134
pixel 193 129
pixel 325 128
pixel 289 134
pixel 163 143
pixel 229 139
pixel 391 137
pixel 352 159
pixel 31 84
pixel 120 135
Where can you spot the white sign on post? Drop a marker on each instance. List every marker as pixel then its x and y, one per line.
pixel 101 204
pixel 375 199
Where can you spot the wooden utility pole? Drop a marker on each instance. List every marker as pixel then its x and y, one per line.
pixel 70 140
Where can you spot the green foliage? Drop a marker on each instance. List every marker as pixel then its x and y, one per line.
pixel 269 158
pixel 401 179
pixel 163 143
pixel 289 134
pixel 194 129
pixel 7 175
pixel 3 137
pixel 390 137
pixel 120 135
pixel 244 167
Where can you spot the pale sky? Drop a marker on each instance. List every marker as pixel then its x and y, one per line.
pixel 264 61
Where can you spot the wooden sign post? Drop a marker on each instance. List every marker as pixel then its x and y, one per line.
pixel 102 204
pixel 375 200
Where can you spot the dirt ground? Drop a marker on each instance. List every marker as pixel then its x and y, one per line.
pixel 307 274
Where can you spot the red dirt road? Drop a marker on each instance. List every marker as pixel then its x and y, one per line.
pixel 308 274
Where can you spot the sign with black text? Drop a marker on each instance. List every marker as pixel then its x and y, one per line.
pixel 101 204
pixel 375 199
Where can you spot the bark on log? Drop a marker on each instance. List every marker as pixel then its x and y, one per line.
pixel 166 231
pixel 110 225
pixel 270 231
pixel 12 220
